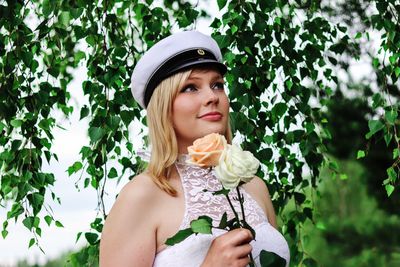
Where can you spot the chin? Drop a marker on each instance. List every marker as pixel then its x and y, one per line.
pixel 193 132
pixel 220 130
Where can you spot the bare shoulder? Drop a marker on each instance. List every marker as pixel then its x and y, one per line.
pixel 258 184
pixel 258 189
pixel 138 196
pixel 140 188
pixel 129 232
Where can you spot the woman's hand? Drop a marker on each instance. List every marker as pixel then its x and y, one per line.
pixel 230 249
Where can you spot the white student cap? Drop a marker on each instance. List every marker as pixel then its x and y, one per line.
pixel 177 52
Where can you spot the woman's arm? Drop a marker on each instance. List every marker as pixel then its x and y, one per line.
pixel 129 234
pixel 259 191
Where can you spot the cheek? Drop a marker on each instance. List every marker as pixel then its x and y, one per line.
pixel 225 104
pixel 183 109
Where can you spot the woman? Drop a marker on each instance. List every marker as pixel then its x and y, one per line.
pixel 180 83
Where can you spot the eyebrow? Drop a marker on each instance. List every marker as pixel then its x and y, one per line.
pixel 215 77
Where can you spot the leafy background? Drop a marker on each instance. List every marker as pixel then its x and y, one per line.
pixel 327 136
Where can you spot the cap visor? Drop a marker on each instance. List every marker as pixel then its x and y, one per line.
pixel 204 62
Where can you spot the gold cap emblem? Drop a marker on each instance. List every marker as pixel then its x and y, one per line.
pixel 200 52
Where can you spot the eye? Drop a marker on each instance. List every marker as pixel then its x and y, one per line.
pixel 218 85
pixel 188 88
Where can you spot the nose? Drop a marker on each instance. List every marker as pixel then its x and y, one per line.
pixel 210 97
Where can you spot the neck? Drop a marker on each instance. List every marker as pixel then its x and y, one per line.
pixel 182 149
pixel 183 145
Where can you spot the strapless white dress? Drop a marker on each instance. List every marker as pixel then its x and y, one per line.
pixel 192 251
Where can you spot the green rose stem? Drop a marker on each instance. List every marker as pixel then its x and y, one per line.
pixel 233 209
pixel 244 219
pixel 238 220
pixel 241 202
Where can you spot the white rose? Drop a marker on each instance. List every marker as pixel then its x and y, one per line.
pixel 236 165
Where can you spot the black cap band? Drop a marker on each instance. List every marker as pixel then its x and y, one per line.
pixel 180 62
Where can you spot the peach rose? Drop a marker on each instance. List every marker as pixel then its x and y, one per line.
pixel 206 151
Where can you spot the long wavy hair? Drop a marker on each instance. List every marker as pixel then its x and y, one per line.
pixel 164 145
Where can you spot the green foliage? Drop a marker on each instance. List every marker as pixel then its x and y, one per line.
pixel 201 225
pixel 258 40
pixel 88 256
pixel 179 237
pixel 268 258
pixel 386 20
pixel 283 57
pixel 356 231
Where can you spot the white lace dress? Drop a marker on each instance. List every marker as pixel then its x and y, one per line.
pixel 192 251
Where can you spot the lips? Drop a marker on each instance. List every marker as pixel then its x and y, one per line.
pixel 212 116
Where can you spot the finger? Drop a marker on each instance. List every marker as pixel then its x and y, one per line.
pixel 243 261
pixel 241 236
pixel 243 251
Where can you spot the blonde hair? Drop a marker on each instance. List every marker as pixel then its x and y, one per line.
pixel 164 145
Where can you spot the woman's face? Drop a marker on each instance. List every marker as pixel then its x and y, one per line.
pixel 200 108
